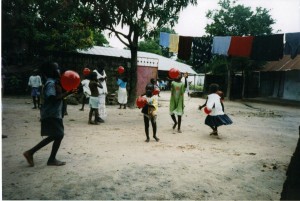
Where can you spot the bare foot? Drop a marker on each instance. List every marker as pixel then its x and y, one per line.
pixel 55 163
pixel 156 138
pixel 29 158
pixel 147 140
pixel 174 126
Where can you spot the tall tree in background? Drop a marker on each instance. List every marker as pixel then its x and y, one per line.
pixel 140 16
pixel 32 27
pixel 237 20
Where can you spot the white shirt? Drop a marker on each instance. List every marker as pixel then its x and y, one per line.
pixel 214 104
pixel 35 81
pixel 85 86
pixel 104 89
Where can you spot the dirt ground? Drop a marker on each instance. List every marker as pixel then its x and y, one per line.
pixel 111 161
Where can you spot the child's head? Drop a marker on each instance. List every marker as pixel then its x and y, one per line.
pixel 152 80
pixel 50 70
pixel 149 93
pixel 93 76
pixel 213 88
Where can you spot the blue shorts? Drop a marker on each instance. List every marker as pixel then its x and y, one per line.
pixel 35 91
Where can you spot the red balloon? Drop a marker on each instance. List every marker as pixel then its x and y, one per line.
pixel 86 71
pixel 121 69
pixel 70 80
pixel 174 73
pixel 155 91
pixel 206 110
pixel 141 102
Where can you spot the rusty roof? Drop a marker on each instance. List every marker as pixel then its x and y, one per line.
pixel 285 64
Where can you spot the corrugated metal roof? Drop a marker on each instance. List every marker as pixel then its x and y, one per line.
pixel 285 64
pixel 164 63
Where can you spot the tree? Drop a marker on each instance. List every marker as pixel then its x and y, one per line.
pixel 142 17
pixel 238 20
pixel 34 26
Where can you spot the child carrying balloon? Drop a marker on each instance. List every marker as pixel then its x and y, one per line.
pixel 216 116
pixel 94 98
pixel 150 114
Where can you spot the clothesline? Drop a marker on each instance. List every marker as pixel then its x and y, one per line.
pixel 266 47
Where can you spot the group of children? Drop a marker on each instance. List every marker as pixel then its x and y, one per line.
pixel 214 104
pixel 52 108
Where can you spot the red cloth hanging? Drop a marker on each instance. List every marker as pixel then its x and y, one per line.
pixel 240 46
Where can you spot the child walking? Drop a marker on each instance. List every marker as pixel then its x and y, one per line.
pixel 94 98
pixel 177 100
pixel 216 117
pixel 86 91
pixel 51 115
pixel 150 114
pixel 122 92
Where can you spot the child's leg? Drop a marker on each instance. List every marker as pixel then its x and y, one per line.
pixel 90 116
pixel 96 115
pixel 124 106
pixel 146 123
pixel 154 127
pixel 174 120
pixel 29 154
pixel 179 123
pixel 52 159
pixel 83 102
pixel 39 101
pixel 34 102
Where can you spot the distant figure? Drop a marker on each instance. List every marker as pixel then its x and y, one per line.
pixel 35 83
pixel 150 114
pixel 177 100
pixel 94 98
pixel 101 76
pixel 217 117
pixel 86 91
pixel 122 92
pixel 51 115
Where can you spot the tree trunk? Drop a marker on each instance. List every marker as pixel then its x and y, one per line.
pixel 244 84
pixel 133 74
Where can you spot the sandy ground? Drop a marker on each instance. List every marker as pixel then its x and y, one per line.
pixel 112 161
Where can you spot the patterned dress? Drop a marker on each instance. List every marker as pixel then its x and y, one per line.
pixel 177 98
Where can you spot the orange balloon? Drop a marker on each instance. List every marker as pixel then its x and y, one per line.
pixel 141 102
pixel 70 80
pixel 174 73
pixel 121 69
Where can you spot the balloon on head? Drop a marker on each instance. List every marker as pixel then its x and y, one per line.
pixel 141 102
pixel 174 73
pixel 121 70
pixel 86 71
pixel 70 80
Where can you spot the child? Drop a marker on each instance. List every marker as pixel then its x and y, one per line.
pixel 177 100
pixel 149 111
pixel 86 91
pixel 94 98
pixel 217 117
pixel 35 83
pixel 221 94
pixel 51 115
pixel 122 92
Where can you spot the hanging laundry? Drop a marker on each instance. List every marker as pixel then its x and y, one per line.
pixel 267 48
pixel 185 47
pixel 201 51
pixel 174 40
pixel 164 39
pixel 221 45
pixel 292 44
pixel 240 46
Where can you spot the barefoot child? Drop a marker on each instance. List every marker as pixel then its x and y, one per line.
pixel 216 117
pixel 150 113
pixel 51 115
pixel 122 92
pixel 177 100
pixel 94 98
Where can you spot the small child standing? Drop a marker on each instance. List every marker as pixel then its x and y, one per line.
pixel 150 114
pixel 216 117
pixel 35 83
pixel 122 92
pixel 86 91
pixel 94 98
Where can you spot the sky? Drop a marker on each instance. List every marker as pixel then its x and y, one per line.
pixel 192 20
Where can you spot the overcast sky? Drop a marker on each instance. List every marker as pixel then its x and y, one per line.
pixel 192 20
